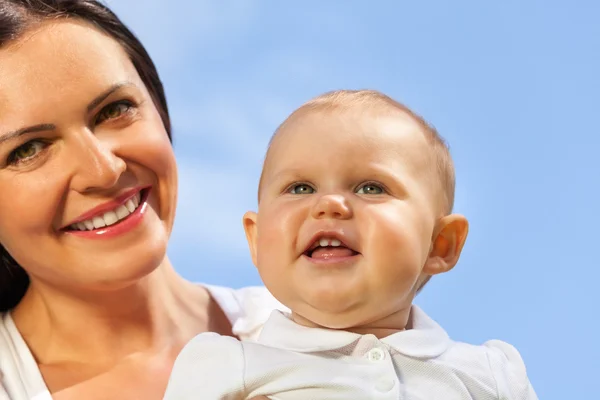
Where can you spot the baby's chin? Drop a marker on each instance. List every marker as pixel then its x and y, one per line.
pixel 317 322
pixel 364 319
pixel 347 320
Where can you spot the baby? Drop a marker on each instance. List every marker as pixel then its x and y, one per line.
pixel 354 217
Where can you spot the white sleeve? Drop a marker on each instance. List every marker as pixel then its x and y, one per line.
pixel 211 367
pixel 3 393
pixel 247 308
pixel 509 372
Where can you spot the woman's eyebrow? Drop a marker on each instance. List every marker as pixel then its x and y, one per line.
pixel 100 98
pixel 48 127
pixel 36 128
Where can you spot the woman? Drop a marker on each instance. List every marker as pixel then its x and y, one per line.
pixel 91 307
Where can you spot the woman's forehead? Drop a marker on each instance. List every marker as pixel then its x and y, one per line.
pixel 59 60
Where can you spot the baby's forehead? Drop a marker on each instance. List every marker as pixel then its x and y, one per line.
pixel 368 112
pixel 365 122
pixel 312 139
pixel 355 129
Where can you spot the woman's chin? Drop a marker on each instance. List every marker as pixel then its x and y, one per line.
pixel 118 270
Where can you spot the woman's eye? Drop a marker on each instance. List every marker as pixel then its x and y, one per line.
pixel 301 188
pixel 26 152
pixel 113 111
pixel 370 188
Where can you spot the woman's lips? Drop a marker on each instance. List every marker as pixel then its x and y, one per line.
pixel 114 222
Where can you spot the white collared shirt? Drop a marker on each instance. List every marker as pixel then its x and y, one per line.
pixel 293 362
pixel 20 379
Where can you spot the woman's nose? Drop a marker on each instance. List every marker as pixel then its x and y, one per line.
pixel 97 166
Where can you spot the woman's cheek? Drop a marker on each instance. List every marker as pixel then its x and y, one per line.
pixel 30 203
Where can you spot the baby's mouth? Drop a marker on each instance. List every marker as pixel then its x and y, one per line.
pixel 327 248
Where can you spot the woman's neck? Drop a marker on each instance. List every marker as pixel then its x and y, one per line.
pixel 161 310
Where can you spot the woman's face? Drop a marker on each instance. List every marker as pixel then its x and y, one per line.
pixel 88 178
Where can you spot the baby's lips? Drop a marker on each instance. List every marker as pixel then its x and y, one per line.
pixel 331 236
pixel 332 252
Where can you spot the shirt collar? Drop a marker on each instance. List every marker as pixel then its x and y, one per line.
pixel 426 339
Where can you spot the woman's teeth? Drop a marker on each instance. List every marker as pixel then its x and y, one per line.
pixel 110 217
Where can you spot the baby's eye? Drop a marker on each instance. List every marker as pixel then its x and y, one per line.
pixel 370 188
pixel 26 151
pixel 113 111
pixel 301 188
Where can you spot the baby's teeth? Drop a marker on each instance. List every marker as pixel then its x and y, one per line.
pixel 98 222
pixel 130 206
pixel 335 243
pixel 110 218
pixel 122 212
pixel 323 242
pixel 88 224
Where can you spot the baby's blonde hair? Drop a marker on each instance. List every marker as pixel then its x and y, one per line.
pixel 349 99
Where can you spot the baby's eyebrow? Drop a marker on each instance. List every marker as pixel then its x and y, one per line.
pixel 286 174
pixel 372 171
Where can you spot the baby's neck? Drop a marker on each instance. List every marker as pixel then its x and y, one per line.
pixel 381 327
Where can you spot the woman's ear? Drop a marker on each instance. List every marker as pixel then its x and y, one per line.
pixel 250 227
pixel 447 243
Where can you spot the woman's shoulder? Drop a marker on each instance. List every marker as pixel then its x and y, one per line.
pixel 11 343
pixel 19 374
pixel 246 308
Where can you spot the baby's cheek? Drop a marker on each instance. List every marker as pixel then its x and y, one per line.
pixel 277 226
pixel 277 238
pixel 270 245
pixel 396 243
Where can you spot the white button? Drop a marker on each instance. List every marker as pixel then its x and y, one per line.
pixel 385 385
pixel 376 355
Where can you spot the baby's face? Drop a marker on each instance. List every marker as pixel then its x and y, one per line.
pixel 346 216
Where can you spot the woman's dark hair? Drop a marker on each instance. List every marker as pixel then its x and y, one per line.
pixel 16 16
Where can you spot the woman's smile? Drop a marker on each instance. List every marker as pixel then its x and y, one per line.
pixel 112 218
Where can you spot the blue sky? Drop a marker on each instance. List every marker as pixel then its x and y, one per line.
pixel 512 85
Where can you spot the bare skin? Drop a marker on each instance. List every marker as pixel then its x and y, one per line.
pixel 107 326
pixel 139 361
pixel 363 176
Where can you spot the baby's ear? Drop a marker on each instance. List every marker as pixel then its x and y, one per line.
pixel 250 227
pixel 448 240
